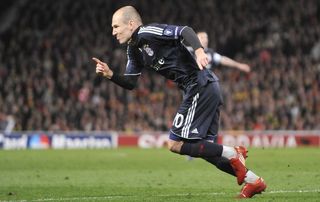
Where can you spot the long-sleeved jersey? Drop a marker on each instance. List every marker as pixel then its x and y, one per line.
pixel 160 47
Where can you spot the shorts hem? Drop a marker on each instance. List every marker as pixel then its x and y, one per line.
pixel 179 136
pixel 175 137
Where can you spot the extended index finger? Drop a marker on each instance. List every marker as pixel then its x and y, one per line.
pixel 97 60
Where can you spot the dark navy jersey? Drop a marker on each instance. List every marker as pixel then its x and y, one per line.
pixel 214 58
pixel 159 47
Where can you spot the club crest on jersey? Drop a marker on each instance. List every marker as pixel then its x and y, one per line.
pixel 148 50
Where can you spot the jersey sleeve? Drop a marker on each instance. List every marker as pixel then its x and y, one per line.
pixel 173 31
pixel 134 58
pixel 161 31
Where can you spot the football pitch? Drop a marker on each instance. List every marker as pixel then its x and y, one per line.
pixel 132 174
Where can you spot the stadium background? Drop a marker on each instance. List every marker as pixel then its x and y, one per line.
pixel 50 97
pixel 48 81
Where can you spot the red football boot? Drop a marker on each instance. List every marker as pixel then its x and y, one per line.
pixel 238 164
pixel 242 150
pixel 250 189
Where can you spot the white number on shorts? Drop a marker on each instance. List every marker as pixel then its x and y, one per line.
pixel 178 120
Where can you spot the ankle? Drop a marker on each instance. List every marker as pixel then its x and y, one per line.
pixel 229 152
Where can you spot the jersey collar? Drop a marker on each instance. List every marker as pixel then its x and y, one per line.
pixel 134 38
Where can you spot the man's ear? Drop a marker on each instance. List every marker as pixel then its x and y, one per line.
pixel 132 25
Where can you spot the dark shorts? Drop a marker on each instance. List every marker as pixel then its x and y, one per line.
pixel 198 114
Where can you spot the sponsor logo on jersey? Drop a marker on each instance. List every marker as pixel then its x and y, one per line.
pixel 158 65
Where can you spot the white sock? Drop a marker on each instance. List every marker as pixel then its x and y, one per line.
pixel 251 177
pixel 228 152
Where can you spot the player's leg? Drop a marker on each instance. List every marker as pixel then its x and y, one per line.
pixel 208 150
pixel 192 122
pixel 194 148
pixel 221 163
pixel 253 183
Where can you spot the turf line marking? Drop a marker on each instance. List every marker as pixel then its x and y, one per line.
pixel 160 195
pixel 292 191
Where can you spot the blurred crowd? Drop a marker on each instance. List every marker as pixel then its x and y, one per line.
pixel 48 80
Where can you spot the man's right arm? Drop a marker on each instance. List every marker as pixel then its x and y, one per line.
pixel 126 81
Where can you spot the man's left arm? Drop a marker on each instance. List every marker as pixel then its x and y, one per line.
pixel 191 38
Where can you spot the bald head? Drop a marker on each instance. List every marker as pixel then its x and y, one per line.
pixel 128 13
pixel 124 22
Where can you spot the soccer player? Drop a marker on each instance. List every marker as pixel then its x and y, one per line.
pixel 159 47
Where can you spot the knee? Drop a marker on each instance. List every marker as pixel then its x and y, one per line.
pixel 174 146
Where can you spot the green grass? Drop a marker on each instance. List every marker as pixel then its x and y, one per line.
pixel 133 174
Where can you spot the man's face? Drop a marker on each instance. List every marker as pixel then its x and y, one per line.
pixel 203 37
pixel 120 29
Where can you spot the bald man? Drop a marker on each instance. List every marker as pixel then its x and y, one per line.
pixel 195 126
